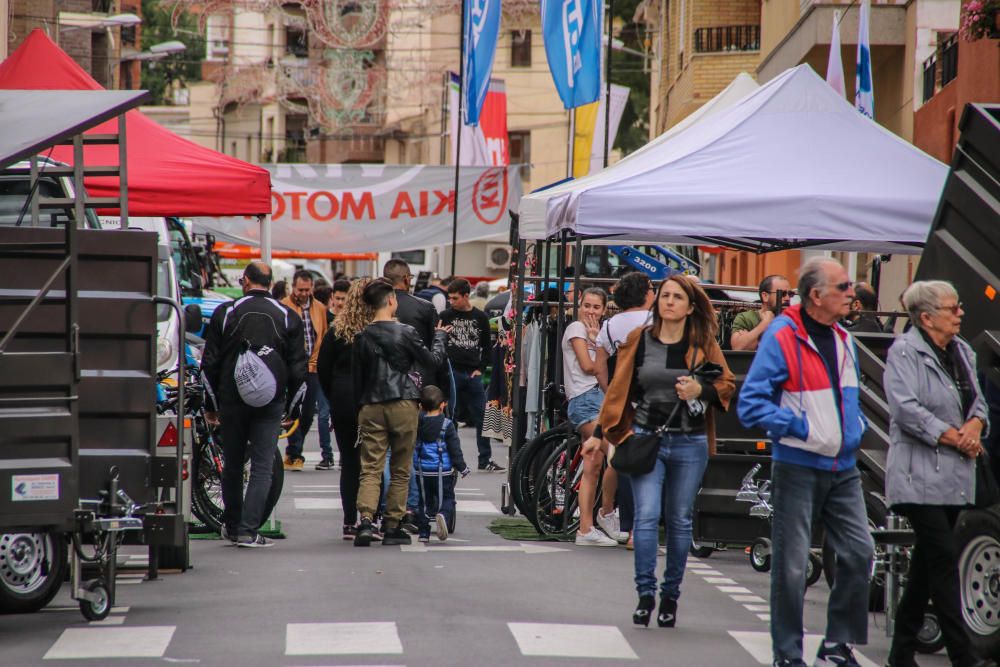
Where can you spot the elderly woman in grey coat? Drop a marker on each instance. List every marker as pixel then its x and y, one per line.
pixel 938 417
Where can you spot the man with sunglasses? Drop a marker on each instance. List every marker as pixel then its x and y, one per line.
pixel 802 388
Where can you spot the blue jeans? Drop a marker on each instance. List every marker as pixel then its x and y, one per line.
pixel 802 496
pixel 671 487
pixel 471 397
pixel 412 497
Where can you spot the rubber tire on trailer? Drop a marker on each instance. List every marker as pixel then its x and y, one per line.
pixel 520 476
pixel 43 576
pixel 877 511
pixel 759 562
pixel 814 570
pixel 210 512
pixel 535 469
pixel 930 639
pixel 700 551
pixel 100 610
pixel 977 537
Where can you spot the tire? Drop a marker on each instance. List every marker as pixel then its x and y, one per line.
pixel 700 550
pixel 555 500
pixel 760 555
pixel 977 536
pixel 930 639
pixel 877 511
pixel 523 468
pixel 206 495
pixel 96 611
pixel 32 569
pixel 814 570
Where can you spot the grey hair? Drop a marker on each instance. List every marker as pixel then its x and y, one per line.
pixel 923 296
pixel 812 276
pixel 482 289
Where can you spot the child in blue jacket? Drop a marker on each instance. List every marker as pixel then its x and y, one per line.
pixel 436 458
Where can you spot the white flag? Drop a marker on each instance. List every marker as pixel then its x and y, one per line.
pixel 864 96
pixel 834 66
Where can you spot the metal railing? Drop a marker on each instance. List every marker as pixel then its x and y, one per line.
pixel 725 38
pixel 949 60
pixel 941 67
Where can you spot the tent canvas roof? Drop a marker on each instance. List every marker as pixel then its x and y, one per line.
pixel 790 163
pixel 44 117
pixel 168 175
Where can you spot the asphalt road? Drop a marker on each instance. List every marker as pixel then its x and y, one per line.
pixel 315 600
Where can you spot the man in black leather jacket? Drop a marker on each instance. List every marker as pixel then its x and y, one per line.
pixel 386 355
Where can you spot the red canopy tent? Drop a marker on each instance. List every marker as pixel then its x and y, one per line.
pixel 167 175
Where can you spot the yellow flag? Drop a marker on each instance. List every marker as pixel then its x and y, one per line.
pixel 583 137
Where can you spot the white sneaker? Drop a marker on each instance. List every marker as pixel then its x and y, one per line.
pixel 594 538
pixel 610 524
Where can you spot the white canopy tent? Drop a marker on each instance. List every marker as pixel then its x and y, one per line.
pixel 790 164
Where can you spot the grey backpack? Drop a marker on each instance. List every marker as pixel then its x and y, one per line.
pixel 260 372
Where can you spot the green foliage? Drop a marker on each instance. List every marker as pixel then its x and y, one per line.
pixel 158 75
pixel 627 69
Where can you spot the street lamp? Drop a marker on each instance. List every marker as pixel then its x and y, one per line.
pixel 69 21
pixel 156 51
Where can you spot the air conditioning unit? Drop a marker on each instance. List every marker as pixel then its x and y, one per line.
pixel 498 256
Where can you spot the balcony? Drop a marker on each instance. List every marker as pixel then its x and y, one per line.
pixel 941 68
pixel 722 39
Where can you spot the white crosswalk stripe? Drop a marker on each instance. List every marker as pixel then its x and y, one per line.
pixel 111 642
pixel 342 639
pixel 758 644
pixel 571 641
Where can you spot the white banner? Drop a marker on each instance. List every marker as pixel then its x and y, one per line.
pixel 354 208
pixel 619 98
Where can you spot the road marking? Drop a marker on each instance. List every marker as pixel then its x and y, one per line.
pixel 321 491
pixel 528 548
pixel 734 589
pixel 463 494
pixel 695 565
pixel 315 486
pixel 134 642
pixel 719 580
pixel 120 610
pixel 758 607
pixel 764 617
pixel 758 644
pixel 316 503
pixel 571 641
pixel 110 620
pixel 477 507
pixel 709 573
pixel 748 598
pixel 341 638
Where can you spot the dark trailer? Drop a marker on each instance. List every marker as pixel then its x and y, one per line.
pixel 77 366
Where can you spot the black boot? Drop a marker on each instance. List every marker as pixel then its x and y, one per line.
pixel 644 610
pixel 667 617
pixel 363 537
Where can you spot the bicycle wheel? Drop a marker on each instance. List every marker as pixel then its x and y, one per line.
pixel 556 499
pixel 523 467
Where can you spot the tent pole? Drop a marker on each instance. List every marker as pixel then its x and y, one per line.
pixel 607 91
pixel 265 237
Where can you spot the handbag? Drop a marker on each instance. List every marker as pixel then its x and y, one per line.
pixel 987 490
pixel 636 455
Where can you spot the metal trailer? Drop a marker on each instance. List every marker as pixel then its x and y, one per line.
pixel 78 471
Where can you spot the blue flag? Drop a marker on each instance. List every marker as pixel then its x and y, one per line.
pixel 864 97
pixel 482 26
pixel 572 32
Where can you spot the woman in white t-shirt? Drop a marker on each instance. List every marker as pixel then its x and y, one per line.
pixel 579 351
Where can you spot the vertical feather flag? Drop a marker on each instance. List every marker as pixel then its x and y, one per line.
pixel 864 96
pixel 482 27
pixel 571 30
pixel 834 65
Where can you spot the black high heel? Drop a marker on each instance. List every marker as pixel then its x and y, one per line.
pixel 644 610
pixel 667 617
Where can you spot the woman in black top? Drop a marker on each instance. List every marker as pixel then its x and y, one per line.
pixel 334 370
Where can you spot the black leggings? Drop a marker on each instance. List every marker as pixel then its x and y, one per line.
pixel 933 575
pixel 344 418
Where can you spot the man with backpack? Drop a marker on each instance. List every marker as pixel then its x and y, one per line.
pixel 436 461
pixel 254 371
pixel 387 355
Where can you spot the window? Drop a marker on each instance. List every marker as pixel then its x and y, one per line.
pixel 520 48
pixel 216 38
pixel 295 42
pixel 412 257
pixel 520 151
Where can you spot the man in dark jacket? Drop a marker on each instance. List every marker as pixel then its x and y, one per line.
pixel 862 318
pixel 386 355
pixel 256 323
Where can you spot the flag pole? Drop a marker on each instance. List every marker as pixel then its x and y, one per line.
pixel 607 76
pixel 458 139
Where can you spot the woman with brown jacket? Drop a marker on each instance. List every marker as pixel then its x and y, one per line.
pixel 668 377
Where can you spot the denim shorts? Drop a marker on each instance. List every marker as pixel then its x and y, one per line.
pixel 585 407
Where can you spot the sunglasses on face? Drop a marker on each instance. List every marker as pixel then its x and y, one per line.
pixel 954 309
pixel 844 286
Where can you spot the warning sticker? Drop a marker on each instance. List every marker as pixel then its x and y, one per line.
pixel 34 487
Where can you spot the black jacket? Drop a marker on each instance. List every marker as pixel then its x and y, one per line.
pixel 385 354
pixel 222 348
pixel 333 369
pixel 866 323
pixel 419 314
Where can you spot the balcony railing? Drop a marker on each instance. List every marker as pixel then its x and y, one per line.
pixel 941 67
pixel 725 38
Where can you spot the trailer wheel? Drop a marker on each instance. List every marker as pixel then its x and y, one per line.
pixel 930 639
pixel 760 554
pixel 32 568
pixel 699 550
pixel 814 570
pixel 99 610
pixel 978 538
